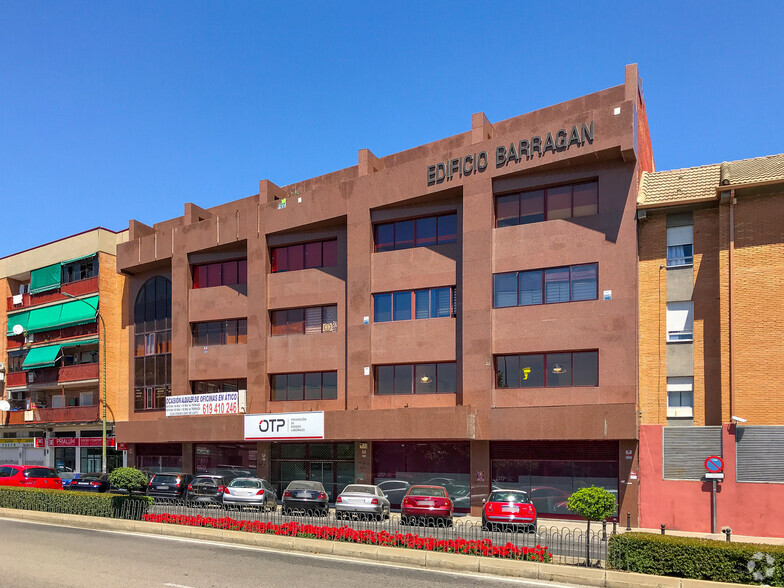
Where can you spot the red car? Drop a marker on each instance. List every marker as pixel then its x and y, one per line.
pixel 508 508
pixel 25 476
pixel 426 504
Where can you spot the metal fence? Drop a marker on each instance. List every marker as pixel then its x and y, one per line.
pixel 574 546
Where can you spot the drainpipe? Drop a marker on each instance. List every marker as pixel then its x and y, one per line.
pixel 731 276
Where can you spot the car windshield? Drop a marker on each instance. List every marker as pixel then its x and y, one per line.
pixel 306 485
pixel 40 473
pixel 245 483
pixel 420 491
pixel 90 477
pixel 503 496
pixel 359 489
pixel 165 479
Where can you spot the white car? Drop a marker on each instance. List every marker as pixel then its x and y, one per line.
pixel 362 501
pixel 251 492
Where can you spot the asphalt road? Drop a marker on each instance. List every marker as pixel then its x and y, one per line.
pixel 41 555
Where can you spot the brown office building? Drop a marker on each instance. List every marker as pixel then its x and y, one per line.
pixel 461 313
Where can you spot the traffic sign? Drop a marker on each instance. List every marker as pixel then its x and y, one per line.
pixel 714 464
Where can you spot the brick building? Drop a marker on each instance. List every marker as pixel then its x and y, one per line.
pixel 711 249
pixel 459 313
pixel 51 354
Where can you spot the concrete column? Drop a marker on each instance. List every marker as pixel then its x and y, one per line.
pixel 188 458
pixel 480 475
pixel 628 481
pixel 363 462
pixel 263 464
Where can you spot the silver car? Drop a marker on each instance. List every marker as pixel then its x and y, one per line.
pixel 251 492
pixel 362 501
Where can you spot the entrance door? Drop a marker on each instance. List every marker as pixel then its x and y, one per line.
pixel 323 471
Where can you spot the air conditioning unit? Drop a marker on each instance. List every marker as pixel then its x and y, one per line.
pixel 242 404
pixel 30 338
pixel 30 377
pixel 28 416
pixel 18 299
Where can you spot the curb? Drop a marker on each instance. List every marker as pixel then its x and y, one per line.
pixel 448 562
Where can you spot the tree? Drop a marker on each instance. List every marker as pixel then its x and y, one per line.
pixel 592 504
pixel 129 479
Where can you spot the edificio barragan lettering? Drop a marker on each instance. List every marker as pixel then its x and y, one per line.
pixel 474 163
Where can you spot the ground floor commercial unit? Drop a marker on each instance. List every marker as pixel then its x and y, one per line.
pixel 549 469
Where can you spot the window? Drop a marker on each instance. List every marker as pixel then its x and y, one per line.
pixel 218 386
pixel 533 206
pixel 680 321
pixel 680 246
pixel 81 269
pixel 224 273
pixel 228 332
pixel 562 284
pixel 547 370
pixel 304 256
pixel 421 378
pixel 304 321
pixel 15 361
pixel 152 361
pixel 429 303
pixel 680 397
pixel 305 386
pixel 420 232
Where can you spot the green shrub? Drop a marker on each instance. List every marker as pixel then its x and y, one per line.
pixel 592 504
pixel 129 479
pixel 73 502
pixel 698 559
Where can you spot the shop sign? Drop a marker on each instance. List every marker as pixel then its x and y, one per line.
pixel 80 442
pixel 26 442
pixel 515 152
pixel 197 404
pixel 284 426
pixel 122 447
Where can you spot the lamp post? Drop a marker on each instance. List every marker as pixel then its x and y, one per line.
pixel 103 379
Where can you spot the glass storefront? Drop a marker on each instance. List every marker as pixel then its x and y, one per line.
pixel 551 472
pixel 159 457
pixel 226 459
pixel 332 464
pixel 397 466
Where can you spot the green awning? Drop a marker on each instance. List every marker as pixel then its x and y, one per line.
pixel 19 318
pixel 80 343
pixel 57 316
pixel 45 278
pixel 41 357
pixel 88 256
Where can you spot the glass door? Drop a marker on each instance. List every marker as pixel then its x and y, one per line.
pixel 323 471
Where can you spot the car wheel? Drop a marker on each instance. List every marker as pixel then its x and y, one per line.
pixel 485 526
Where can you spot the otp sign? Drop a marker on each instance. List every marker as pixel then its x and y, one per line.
pixel 271 425
pixel 284 425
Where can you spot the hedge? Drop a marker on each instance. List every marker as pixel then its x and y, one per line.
pixel 698 559
pixel 96 504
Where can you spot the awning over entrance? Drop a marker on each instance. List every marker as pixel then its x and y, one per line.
pixel 40 357
pixel 57 316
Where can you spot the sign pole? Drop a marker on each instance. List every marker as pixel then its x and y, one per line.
pixel 713 506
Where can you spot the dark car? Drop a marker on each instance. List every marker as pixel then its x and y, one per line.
pixel 24 476
pixel 206 489
pixel 168 485
pixel 90 483
pixel 426 504
pixel 508 509
pixel 306 496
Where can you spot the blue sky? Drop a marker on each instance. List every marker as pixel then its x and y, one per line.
pixel 119 110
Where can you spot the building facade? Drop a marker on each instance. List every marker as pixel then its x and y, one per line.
pixel 711 327
pixel 58 298
pixel 461 313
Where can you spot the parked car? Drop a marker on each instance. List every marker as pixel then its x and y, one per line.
pixel 426 504
pixel 547 499
pixel 362 501
pixel 168 485
pixel 24 476
pixel 90 483
pixel 307 496
pixel 508 509
pixel 206 489
pixel 251 492
pixel 394 490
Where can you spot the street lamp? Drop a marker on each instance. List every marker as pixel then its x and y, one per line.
pixel 103 380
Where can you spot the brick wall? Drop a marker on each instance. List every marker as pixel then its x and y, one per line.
pixel 112 293
pixel 652 238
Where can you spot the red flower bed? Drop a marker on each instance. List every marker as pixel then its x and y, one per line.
pixel 483 547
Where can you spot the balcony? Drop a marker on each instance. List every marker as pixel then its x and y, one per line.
pixel 67 373
pixel 79 288
pixel 16 379
pixel 71 414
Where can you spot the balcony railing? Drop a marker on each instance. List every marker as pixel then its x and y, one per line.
pixel 67 373
pixel 16 379
pixel 68 414
pixel 79 288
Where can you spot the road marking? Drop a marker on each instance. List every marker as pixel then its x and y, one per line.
pixel 178 585
pixel 354 560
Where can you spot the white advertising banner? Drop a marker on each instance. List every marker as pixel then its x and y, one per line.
pixel 196 404
pixel 284 425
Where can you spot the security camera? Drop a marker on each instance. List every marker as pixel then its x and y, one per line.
pixel 738 419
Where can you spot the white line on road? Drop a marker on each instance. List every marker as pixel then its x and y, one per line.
pixel 353 560
pixel 178 585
